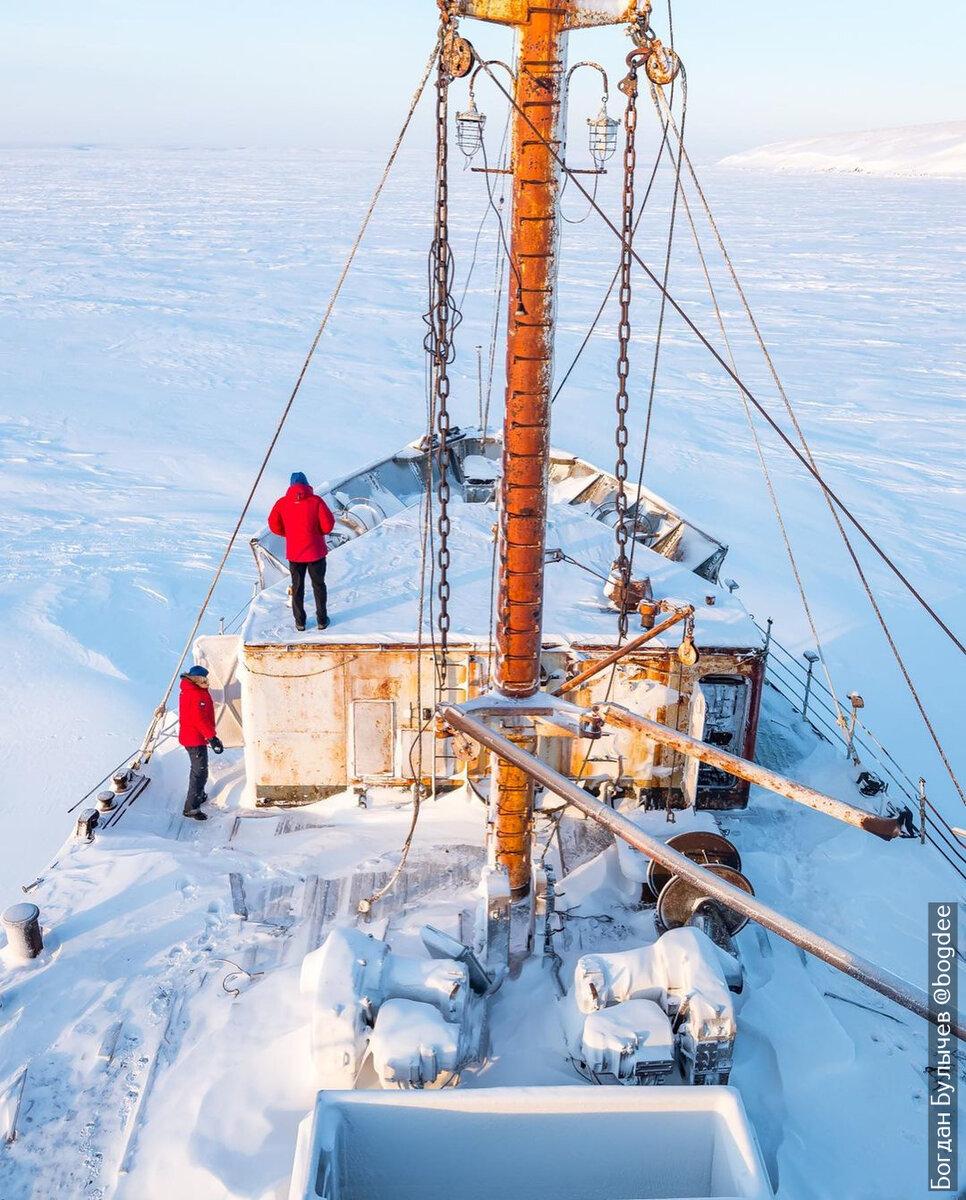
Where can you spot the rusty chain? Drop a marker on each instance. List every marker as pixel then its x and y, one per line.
pixel 442 319
pixel 622 564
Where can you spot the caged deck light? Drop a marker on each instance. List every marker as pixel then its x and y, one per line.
pixel 469 128
pixel 602 129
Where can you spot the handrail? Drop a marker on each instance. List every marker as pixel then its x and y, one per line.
pixel 854 965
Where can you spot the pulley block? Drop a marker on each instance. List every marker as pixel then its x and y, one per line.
pixel 662 63
pixel 457 54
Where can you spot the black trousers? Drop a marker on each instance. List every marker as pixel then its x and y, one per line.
pixel 316 572
pixel 197 778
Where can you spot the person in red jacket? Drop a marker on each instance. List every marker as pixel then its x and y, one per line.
pixel 303 519
pixel 196 732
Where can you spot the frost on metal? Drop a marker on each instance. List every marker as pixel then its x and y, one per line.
pixel 351 979
pixel 577 14
pixel 682 974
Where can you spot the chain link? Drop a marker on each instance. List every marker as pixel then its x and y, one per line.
pixel 439 344
pixel 622 564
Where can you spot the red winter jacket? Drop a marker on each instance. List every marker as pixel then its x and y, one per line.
pixel 196 715
pixel 303 519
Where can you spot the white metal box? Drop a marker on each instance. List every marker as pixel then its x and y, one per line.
pixel 544 1143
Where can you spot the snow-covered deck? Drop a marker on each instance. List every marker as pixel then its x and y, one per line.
pixel 373 584
pixel 166 1042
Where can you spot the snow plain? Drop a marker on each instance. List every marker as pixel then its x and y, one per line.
pixel 156 306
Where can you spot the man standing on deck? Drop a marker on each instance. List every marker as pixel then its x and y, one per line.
pixel 196 732
pixel 303 519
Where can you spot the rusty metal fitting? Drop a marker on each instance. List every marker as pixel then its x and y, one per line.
pixel 591 725
pixel 457 54
pixel 635 60
pixel 662 63
pixel 688 651
pixel 640 29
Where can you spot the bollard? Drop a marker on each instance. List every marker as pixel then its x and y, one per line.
pixel 22 925
pixel 106 801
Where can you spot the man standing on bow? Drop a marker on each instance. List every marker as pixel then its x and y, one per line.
pixel 303 519
pixel 196 732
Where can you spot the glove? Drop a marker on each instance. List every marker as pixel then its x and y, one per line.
pixel 216 745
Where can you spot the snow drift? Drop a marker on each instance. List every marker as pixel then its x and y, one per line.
pixel 938 151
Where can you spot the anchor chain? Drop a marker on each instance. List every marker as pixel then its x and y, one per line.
pixel 622 563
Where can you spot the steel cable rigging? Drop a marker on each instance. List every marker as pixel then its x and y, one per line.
pixel 805 461
pixel 709 346
pixel 668 122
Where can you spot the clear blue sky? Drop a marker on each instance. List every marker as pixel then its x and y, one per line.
pixel 330 73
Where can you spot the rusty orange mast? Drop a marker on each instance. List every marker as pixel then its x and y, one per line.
pixel 538 126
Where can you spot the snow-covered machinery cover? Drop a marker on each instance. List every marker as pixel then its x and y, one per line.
pixel 667 1143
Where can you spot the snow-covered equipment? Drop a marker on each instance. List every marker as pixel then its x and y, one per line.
pixel 442 945
pixel 686 975
pixel 349 977
pixel 684 903
pixel 21 923
pixel 106 801
pixel 666 970
pixel 480 477
pixel 414 1046
pixel 544 1142
pixel 632 1042
pixel 87 822
pixel 341 978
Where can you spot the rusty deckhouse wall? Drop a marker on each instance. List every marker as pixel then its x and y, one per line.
pixel 320 718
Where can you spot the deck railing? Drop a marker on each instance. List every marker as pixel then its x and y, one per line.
pixel 810 696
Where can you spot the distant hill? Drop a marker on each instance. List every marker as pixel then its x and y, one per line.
pixel 937 151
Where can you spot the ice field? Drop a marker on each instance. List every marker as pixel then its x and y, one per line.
pixel 156 306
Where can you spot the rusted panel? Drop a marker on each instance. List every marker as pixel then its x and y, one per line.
pixel 652 682
pixel 574 14
pixel 373 738
pixel 301 739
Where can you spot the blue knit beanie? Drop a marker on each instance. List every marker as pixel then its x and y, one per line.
pixel 298 477
pixel 197 671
